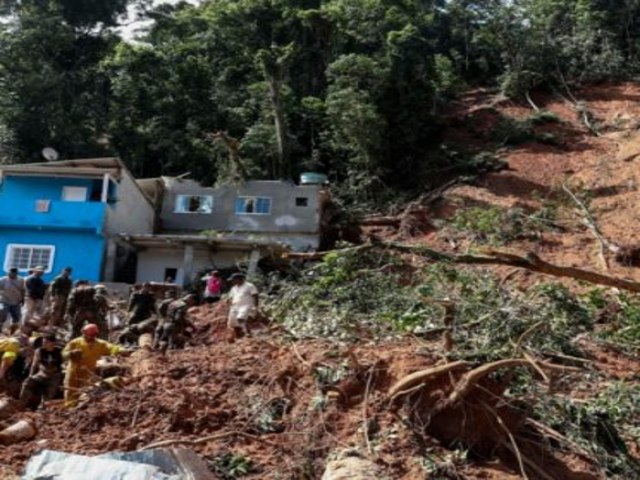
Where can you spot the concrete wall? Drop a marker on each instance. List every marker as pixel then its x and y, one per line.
pixel 39 188
pixel 152 262
pixel 131 212
pixel 81 250
pixel 19 195
pixel 285 217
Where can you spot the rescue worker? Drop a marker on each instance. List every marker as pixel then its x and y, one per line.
pixel 101 299
pixel 163 308
pixel 59 291
pixel 15 356
pixel 244 303
pixel 83 354
pixel 45 375
pixel 142 315
pixel 172 330
pixel 87 304
pixel 9 349
pixel 142 304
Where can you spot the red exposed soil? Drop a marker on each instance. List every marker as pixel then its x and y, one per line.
pixel 212 389
pixel 604 166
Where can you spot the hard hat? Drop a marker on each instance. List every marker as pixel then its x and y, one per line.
pixel 91 330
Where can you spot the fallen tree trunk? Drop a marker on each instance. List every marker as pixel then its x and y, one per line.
pixel 530 261
pixel 380 221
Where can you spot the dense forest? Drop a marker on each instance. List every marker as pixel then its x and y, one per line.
pixel 270 88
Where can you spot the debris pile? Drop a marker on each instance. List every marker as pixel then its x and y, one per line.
pixel 273 408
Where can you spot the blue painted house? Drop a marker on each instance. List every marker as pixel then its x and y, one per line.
pixel 71 213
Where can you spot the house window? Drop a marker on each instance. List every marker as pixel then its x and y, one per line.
pixel 170 275
pixel 194 204
pixel 74 194
pixel 253 206
pixel 26 257
pixel 302 202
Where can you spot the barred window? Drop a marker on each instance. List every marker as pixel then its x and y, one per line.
pixel 26 257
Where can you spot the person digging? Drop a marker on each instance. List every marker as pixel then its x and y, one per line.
pixel 45 374
pixel 9 351
pixel 244 304
pixel 83 354
pixel 59 291
pixel 173 327
pixel 142 316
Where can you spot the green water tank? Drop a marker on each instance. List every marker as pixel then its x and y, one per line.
pixel 313 178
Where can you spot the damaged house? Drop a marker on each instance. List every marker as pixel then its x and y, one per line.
pixel 200 228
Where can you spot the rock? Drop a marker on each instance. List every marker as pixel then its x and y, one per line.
pixel 352 468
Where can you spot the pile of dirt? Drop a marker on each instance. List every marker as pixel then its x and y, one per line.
pixel 261 399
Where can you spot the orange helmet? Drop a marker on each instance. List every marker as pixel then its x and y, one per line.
pixel 91 330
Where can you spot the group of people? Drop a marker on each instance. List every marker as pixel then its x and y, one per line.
pixel 167 320
pixel 32 364
pixel 22 297
pixel 39 361
pixel 24 301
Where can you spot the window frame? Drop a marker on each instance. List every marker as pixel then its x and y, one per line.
pixel 12 246
pixel 305 202
pixel 76 188
pixel 181 195
pixel 256 198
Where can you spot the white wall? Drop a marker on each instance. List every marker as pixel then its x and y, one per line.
pixel 132 213
pixel 152 262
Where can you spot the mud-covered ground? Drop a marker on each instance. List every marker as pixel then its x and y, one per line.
pixel 285 406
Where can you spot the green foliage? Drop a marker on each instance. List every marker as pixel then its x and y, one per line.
pixel 229 466
pixel 514 131
pixel 599 425
pixel 326 376
pixel 349 295
pixel 491 322
pixel 439 467
pixel 490 318
pixel 52 92
pixel 373 294
pixel 494 225
pixel 542 117
pixel 623 327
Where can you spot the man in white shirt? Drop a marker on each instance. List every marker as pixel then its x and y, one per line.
pixel 244 303
pixel 11 298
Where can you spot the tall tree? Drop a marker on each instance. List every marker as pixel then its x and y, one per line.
pixel 51 90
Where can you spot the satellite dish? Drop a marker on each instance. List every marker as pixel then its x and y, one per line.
pixel 50 154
